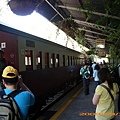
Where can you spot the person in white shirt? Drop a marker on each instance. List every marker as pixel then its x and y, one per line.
pixel 93 66
pixel 95 74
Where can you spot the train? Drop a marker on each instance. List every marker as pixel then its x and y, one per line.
pixel 47 68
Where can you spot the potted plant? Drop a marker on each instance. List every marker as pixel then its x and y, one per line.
pixel 23 7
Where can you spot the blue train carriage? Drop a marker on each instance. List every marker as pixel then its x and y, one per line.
pixel 46 67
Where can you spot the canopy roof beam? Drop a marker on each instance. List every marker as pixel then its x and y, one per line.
pixel 92 25
pixel 86 11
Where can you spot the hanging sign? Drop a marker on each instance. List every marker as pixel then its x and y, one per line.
pixel 100 43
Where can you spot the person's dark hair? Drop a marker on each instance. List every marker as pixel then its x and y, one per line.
pixel 11 81
pixel 97 67
pixel 104 75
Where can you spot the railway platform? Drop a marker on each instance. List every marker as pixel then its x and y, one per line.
pixel 74 106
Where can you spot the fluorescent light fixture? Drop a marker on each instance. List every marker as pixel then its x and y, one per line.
pixel 100 46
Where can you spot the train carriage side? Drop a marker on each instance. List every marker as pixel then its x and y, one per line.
pixel 47 68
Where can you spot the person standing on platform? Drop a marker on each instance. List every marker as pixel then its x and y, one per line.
pixel 93 67
pixel 3 64
pixel 85 72
pixel 25 99
pixel 116 78
pixel 105 64
pixel 102 99
pixel 95 74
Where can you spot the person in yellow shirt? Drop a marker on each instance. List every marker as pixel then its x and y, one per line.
pixel 102 100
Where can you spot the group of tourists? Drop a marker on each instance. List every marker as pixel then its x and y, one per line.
pixel 107 95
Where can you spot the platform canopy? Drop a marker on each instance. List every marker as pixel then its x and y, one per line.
pixel 84 20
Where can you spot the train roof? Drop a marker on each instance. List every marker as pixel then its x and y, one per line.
pixel 10 30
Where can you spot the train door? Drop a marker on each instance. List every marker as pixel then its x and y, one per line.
pixel 9 43
pixel 63 60
pixel 29 59
pixel 46 60
pixel 39 59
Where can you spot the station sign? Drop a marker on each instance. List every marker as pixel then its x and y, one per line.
pixel 100 43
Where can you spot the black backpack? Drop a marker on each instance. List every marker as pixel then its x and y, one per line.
pixel 8 107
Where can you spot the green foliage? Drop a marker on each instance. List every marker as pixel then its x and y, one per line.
pixel 79 36
pixel 87 6
pixel 112 25
pixel 71 29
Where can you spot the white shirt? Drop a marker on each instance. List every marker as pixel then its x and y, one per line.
pixel 93 66
pixel 95 75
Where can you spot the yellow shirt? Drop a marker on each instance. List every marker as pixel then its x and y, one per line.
pixel 105 106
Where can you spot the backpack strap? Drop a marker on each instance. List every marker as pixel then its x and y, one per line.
pixel 14 93
pixel 108 91
pixel 84 70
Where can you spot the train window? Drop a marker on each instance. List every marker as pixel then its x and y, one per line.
pixel 39 59
pixel 76 59
pixel 52 60
pixel 79 61
pixel 57 60
pixel 46 60
pixel 63 60
pixel 29 59
pixel 71 60
pixel 68 61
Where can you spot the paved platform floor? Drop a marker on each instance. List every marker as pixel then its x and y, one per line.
pixel 80 105
pixel 77 106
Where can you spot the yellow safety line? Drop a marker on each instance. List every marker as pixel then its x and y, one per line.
pixel 54 117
